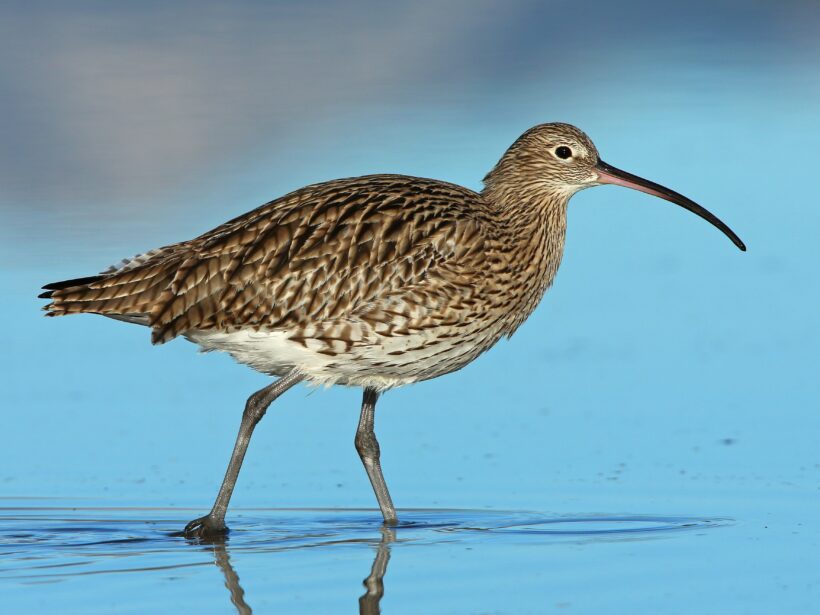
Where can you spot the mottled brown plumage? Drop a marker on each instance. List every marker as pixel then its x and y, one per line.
pixel 409 265
pixel 374 281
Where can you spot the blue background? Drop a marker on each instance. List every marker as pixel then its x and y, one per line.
pixel 665 373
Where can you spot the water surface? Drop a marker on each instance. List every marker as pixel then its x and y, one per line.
pixel 106 548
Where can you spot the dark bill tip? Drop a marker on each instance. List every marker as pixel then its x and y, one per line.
pixel 607 174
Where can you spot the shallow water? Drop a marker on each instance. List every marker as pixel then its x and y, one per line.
pixel 74 545
pixel 658 411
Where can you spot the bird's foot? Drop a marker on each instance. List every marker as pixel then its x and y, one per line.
pixel 206 527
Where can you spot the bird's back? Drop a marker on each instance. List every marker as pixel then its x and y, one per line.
pixel 385 265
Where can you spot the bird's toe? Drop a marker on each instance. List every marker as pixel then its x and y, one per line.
pixel 205 527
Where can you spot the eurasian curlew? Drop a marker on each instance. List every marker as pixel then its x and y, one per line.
pixel 375 281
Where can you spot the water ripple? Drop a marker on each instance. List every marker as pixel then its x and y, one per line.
pixel 42 538
pixel 54 544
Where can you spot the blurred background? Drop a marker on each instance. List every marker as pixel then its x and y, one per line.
pixel 664 373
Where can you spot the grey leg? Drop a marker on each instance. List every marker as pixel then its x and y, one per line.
pixel 368 448
pixel 255 408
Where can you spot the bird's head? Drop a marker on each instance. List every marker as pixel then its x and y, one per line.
pixel 554 161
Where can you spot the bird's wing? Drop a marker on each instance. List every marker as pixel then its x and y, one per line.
pixel 362 247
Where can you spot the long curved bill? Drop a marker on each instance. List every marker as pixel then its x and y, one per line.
pixel 608 174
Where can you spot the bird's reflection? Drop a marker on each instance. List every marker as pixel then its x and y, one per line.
pixel 368 602
pixel 374 583
pixel 223 561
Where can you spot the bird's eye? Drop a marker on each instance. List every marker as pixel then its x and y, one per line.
pixel 563 152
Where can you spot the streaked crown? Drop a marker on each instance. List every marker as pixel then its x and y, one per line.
pixel 558 158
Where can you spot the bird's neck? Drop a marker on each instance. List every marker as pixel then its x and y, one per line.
pixel 533 225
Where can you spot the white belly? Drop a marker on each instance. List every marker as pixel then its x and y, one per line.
pixel 387 363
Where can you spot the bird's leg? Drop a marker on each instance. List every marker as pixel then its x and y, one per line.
pixel 368 448
pixel 255 408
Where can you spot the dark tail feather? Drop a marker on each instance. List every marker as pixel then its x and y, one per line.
pixel 50 288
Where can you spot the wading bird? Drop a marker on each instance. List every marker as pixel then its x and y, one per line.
pixel 374 281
